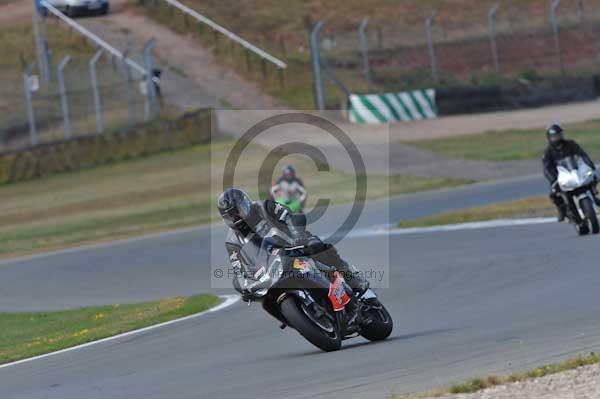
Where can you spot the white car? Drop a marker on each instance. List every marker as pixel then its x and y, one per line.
pixel 81 7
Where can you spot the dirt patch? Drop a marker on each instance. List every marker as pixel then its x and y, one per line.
pixel 464 59
pixel 193 77
pixel 15 11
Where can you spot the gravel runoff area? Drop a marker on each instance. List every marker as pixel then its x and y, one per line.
pixel 580 383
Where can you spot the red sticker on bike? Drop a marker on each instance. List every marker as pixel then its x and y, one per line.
pixel 337 294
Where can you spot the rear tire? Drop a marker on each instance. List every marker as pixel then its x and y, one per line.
pixel 309 330
pixel 590 213
pixel 381 326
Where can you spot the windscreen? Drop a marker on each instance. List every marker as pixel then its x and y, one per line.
pixel 260 258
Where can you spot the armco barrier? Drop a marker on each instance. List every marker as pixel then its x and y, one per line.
pixel 516 95
pixel 392 107
pixel 86 151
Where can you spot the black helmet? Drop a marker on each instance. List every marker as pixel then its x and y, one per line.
pixel 288 172
pixel 234 206
pixel 554 134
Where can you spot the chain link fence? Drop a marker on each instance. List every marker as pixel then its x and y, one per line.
pixel 58 115
pixel 84 90
pixel 504 47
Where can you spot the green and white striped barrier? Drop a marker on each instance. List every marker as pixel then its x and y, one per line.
pixel 392 107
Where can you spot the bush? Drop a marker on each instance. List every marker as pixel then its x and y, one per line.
pixel 88 151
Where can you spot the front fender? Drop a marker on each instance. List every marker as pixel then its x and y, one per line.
pixel 303 296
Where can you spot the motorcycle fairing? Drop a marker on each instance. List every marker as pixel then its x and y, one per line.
pixel 337 293
pixel 573 173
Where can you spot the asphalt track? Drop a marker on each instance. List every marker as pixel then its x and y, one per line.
pixel 464 302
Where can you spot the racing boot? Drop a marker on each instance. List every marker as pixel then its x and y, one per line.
pixel 353 278
pixel 561 207
pixel 595 195
pixel 562 213
pixel 331 257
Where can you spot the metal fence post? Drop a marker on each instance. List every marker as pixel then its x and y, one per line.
pixel 428 26
pixel 491 21
pixel 128 89
pixel 364 48
pixel 316 61
pixel 580 10
pixel 63 95
pixel 30 113
pixel 97 103
pixel 151 108
pixel 555 5
pixel 41 44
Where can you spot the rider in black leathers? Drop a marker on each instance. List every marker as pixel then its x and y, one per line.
pixel 248 220
pixel 557 149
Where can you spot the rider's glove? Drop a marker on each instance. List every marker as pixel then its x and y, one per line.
pixel 555 187
pixel 298 241
pixel 314 245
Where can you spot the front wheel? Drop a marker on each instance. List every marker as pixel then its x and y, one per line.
pixel 380 323
pixel 318 336
pixel 590 214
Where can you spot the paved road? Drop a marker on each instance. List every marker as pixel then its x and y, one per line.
pixel 178 263
pixel 465 303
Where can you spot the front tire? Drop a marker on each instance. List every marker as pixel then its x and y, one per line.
pixel 582 228
pixel 309 330
pixel 590 213
pixel 381 325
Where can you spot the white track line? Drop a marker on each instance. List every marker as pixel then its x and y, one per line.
pixel 229 300
pixel 453 227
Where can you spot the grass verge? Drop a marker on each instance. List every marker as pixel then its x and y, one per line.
pixel 156 193
pixel 510 145
pixel 478 384
pixel 526 207
pixel 26 335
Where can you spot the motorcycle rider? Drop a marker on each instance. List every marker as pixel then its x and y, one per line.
pixel 290 184
pixel 256 220
pixel 557 149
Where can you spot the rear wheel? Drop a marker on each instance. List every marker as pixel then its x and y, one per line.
pixel 380 325
pixel 323 335
pixel 590 213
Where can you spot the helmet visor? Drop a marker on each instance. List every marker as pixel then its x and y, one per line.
pixel 555 138
pixel 237 215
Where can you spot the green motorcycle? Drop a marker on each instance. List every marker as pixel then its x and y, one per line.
pixel 294 205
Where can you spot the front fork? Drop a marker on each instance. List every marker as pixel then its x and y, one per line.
pixel 577 200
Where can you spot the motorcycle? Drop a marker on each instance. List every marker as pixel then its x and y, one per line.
pixel 576 181
pixel 294 205
pixel 288 199
pixel 313 298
